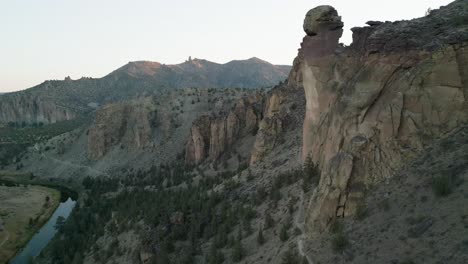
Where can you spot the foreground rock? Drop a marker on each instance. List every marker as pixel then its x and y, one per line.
pixel 375 104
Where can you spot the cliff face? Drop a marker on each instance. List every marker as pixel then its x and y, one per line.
pixel 212 135
pixel 54 101
pixel 32 109
pixel 283 112
pixel 129 124
pixel 377 103
pixel 157 127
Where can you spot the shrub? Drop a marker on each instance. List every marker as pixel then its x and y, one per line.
pixel 361 211
pixel 335 227
pixel 238 251
pixel 290 257
pixel 269 221
pixel 441 185
pixel 284 233
pixel 339 242
pixel 384 205
pixel 311 174
pixel 260 237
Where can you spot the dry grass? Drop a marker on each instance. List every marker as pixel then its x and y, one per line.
pixel 18 205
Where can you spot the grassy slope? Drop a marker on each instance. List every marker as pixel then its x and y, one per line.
pixel 19 204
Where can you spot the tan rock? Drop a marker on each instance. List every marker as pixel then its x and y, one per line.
pixel 366 113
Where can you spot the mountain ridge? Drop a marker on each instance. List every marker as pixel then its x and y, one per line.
pixel 55 100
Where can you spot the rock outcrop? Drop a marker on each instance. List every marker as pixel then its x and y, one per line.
pixel 128 124
pixel 282 112
pixel 31 109
pixel 377 103
pixel 212 135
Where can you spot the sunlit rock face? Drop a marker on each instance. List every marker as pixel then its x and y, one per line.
pixel 377 103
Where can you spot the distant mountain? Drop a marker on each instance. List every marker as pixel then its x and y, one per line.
pixel 55 100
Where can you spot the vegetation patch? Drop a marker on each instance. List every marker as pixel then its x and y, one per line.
pixel 339 242
pixel 442 185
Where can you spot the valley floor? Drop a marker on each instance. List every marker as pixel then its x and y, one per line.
pixel 23 210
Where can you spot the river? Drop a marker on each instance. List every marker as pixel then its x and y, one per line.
pixel 44 235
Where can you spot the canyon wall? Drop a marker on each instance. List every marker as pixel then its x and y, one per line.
pixel 213 134
pixel 373 105
pixel 31 109
pixel 130 124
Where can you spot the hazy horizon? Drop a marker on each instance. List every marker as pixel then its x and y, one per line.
pixel 51 39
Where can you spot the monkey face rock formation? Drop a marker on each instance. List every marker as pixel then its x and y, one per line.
pixel 377 103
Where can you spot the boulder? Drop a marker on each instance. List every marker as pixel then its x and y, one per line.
pixel 322 18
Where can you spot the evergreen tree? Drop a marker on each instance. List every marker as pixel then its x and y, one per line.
pixel 260 237
pixel 269 221
pixel 215 256
pixel 238 251
pixel 291 257
pixel 311 174
pixel 284 233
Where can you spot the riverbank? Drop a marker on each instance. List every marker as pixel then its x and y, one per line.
pixel 23 210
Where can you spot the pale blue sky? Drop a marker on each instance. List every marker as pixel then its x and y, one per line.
pixel 51 39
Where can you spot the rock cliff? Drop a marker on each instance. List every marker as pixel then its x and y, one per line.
pixel 129 124
pixel 56 100
pixel 376 103
pixel 158 126
pixel 283 112
pixel 32 109
pixel 212 135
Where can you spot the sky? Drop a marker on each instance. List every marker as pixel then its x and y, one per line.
pixel 51 39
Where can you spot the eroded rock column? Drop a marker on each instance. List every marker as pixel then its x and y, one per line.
pixel 324 29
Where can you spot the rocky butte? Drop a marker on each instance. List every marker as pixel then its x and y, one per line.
pixel 373 105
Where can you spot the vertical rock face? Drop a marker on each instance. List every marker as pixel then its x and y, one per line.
pixel 374 104
pixel 213 135
pixel 124 123
pixel 282 113
pixel 197 147
pixel 30 109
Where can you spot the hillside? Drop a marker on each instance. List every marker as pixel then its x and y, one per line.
pixel 54 101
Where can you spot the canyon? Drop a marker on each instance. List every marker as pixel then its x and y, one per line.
pixel 377 123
